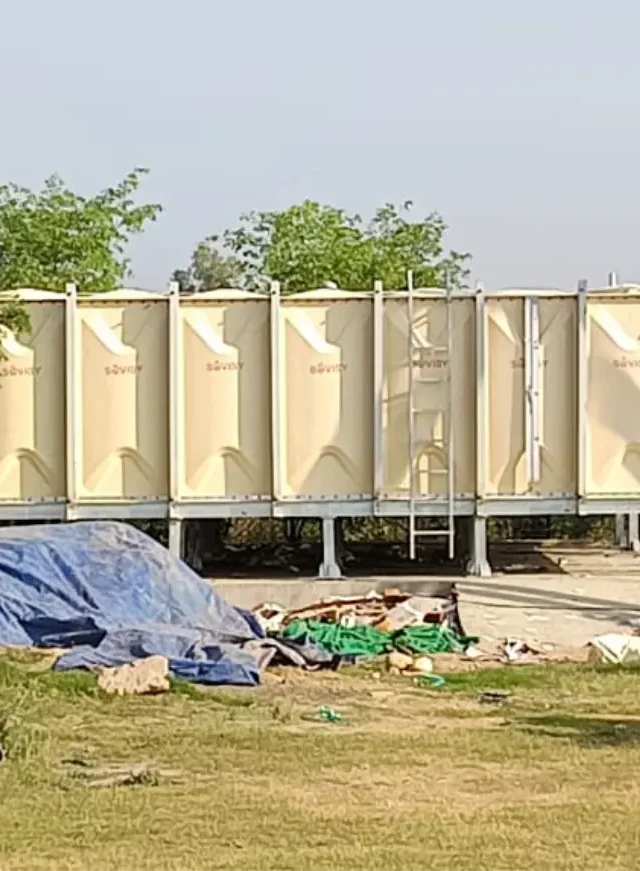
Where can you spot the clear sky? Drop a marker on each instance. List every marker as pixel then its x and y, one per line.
pixel 518 121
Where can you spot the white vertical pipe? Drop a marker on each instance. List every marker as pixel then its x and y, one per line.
pixel 175 404
pixel 582 391
pixel 411 419
pixel 620 534
pixel 450 427
pixel 481 394
pixel 532 386
pixel 378 390
pixel 72 415
pixel 621 538
pixel 276 429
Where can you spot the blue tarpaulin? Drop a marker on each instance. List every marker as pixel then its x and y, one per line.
pixel 111 595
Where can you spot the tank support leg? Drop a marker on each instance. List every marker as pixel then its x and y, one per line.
pixel 621 531
pixel 479 564
pixel 175 537
pixel 634 542
pixel 329 567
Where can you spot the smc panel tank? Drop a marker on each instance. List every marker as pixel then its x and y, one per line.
pixel 122 396
pixel 520 420
pixel 325 370
pixel 32 404
pixel 613 396
pixel 224 396
pixel 442 387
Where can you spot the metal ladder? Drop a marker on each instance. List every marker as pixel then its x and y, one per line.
pixel 415 351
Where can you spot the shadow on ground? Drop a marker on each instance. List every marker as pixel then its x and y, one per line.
pixel 362 560
pixel 586 732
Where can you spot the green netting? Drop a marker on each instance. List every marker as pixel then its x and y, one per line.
pixel 367 641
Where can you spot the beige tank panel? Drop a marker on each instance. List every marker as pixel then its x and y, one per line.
pixel 225 388
pixel 122 391
pixel 32 408
pixel 613 397
pixel 326 397
pixel 507 470
pixel 431 401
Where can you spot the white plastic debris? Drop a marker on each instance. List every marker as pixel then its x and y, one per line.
pixel 513 649
pixel 423 664
pixel 615 647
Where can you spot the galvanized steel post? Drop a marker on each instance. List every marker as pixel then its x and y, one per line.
pixel 621 532
pixel 329 567
pixel 582 394
pixel 274 323
pixel 72 415
pixel 175 457
pixel 378 391
pixel 479 564
pixel 626 527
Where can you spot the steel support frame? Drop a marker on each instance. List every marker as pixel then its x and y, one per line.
pixel 72 412
pixel 478 563
pixel 176 531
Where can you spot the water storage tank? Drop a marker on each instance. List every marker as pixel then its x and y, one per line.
pixel 435 398
pixel 32 403
pixel 510 407
pixel 613 422
pixel 326 394
pixel 224 388
pixel 122 396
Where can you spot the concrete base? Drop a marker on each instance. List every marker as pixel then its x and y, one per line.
pixel 295 593
pixel 556 609
pixel 329 567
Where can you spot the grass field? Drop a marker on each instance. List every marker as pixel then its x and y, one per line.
pixel 410 778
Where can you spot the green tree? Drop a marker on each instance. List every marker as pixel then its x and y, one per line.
pixel 52 236
pixel 310 244
pixel 209 269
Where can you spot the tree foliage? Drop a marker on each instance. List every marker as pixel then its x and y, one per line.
pixel 310 244
pixel 209 269
pixel 53 236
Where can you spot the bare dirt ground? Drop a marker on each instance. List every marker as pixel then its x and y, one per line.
pixel 583 591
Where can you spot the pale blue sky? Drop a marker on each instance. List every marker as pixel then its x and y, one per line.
pixel 518 121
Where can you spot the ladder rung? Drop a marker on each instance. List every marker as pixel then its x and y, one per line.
pixel 433 471
pixel 431 533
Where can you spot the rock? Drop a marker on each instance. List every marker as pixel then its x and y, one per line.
pixel 399 661
pixel 423 665
pixel 148 676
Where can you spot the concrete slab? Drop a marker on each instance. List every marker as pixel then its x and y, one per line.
pixel 556 609
pixel 295 593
